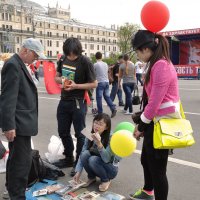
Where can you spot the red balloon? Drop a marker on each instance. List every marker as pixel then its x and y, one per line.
pixel 155 16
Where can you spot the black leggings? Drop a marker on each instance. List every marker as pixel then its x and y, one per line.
pixel 154 164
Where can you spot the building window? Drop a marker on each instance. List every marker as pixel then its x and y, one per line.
pixel 91 38
pixel 97 39
pixel 50 34
pixel 109 34
pixel 50 53
pixel 57 26
pixel 28 29
pixel 85 30
pixel 40 24
pixel 17 40
pixel 91 31
pixel 2 16
pixel 64 27
pixel 97 47
pixel 85 37
pixel 64 35
pixel 103 33
pixel 10 17
pixel 57 52
pixel 92 46
pixel 49 25
pixel 109 48
pixel 57 34
pixel 109 40
pixel 85 46
pixel 40 32
pixel 98 32
pixel 41 41
pixel 50 43
pixel 103 40
pixel 79 37
pixel 103 47
pixel 79 30
pixel 6 16
pixel 4 28
pixel 57 43
pixel 72 29
pixel 17 50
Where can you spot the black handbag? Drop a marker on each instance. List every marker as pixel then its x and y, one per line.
pixel 136 97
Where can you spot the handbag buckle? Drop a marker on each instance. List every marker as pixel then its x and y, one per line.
pixel 178 133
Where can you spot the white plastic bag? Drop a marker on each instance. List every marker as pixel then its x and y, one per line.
pixel 3 161
pixel 55 149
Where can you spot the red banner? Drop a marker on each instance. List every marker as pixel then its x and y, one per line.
pixel 181 32
pixel 187 70
pixel 49 74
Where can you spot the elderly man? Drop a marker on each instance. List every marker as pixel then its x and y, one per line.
pixel 19 115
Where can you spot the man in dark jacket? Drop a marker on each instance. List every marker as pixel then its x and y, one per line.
pixel 19 101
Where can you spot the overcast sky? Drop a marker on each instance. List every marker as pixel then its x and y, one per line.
pixel 184 14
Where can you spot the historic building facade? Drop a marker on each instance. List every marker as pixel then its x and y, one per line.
pixel 22 19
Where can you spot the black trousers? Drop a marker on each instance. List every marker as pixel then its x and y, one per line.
pixel 154 164
pixel 67 114
pixel 18 167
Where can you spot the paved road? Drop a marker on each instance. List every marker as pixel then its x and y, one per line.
pixel 184 165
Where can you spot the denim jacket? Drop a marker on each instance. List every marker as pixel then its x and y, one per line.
pixel 106 155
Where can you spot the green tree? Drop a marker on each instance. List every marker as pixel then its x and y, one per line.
pixel 124 36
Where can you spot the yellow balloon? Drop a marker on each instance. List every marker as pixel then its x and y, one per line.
pixel 123 143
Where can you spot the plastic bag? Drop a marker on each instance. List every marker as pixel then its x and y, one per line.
pixel 55 149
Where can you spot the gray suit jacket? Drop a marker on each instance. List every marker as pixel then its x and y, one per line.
pixel 19 98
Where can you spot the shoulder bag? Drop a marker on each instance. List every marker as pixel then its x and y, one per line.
pixel 173 133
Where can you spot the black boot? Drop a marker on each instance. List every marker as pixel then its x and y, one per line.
pixel 65 162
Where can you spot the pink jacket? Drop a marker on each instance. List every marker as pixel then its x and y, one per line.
pixel 162 91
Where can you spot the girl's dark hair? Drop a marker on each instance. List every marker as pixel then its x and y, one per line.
pixel 157 43
pixel 72 45
pixel 105 136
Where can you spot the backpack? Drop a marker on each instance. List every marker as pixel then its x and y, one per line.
pixel 41 169
pixel 37 171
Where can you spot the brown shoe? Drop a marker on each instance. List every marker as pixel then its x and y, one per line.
pixel 104 186
pixel 89 182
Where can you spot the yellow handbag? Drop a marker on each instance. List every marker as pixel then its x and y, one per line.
pixel 173 133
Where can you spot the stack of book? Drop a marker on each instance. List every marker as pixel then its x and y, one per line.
pixel 74 191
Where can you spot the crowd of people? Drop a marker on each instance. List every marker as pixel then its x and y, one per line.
pixel 77 75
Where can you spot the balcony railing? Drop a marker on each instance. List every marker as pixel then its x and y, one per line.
pixel 31 33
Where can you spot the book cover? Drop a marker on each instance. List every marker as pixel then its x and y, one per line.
pixel 110 196
pixel 68 72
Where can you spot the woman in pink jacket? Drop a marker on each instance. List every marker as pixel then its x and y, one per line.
pixel 162 100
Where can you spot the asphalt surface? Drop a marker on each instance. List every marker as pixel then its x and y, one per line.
pixel 183 167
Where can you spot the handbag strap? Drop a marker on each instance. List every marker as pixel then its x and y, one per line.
pixel 182 111
pixel 136 89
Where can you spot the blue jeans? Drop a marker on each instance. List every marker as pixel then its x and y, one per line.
pixel 68 114
pixel 116 91
pixel 103 91
pixel 95 166
pixel 128 89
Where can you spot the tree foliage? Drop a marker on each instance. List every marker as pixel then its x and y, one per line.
pixel 124 36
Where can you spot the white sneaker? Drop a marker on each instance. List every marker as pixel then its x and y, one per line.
pixel 123 111
pixel 128 113
pixel 6 195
